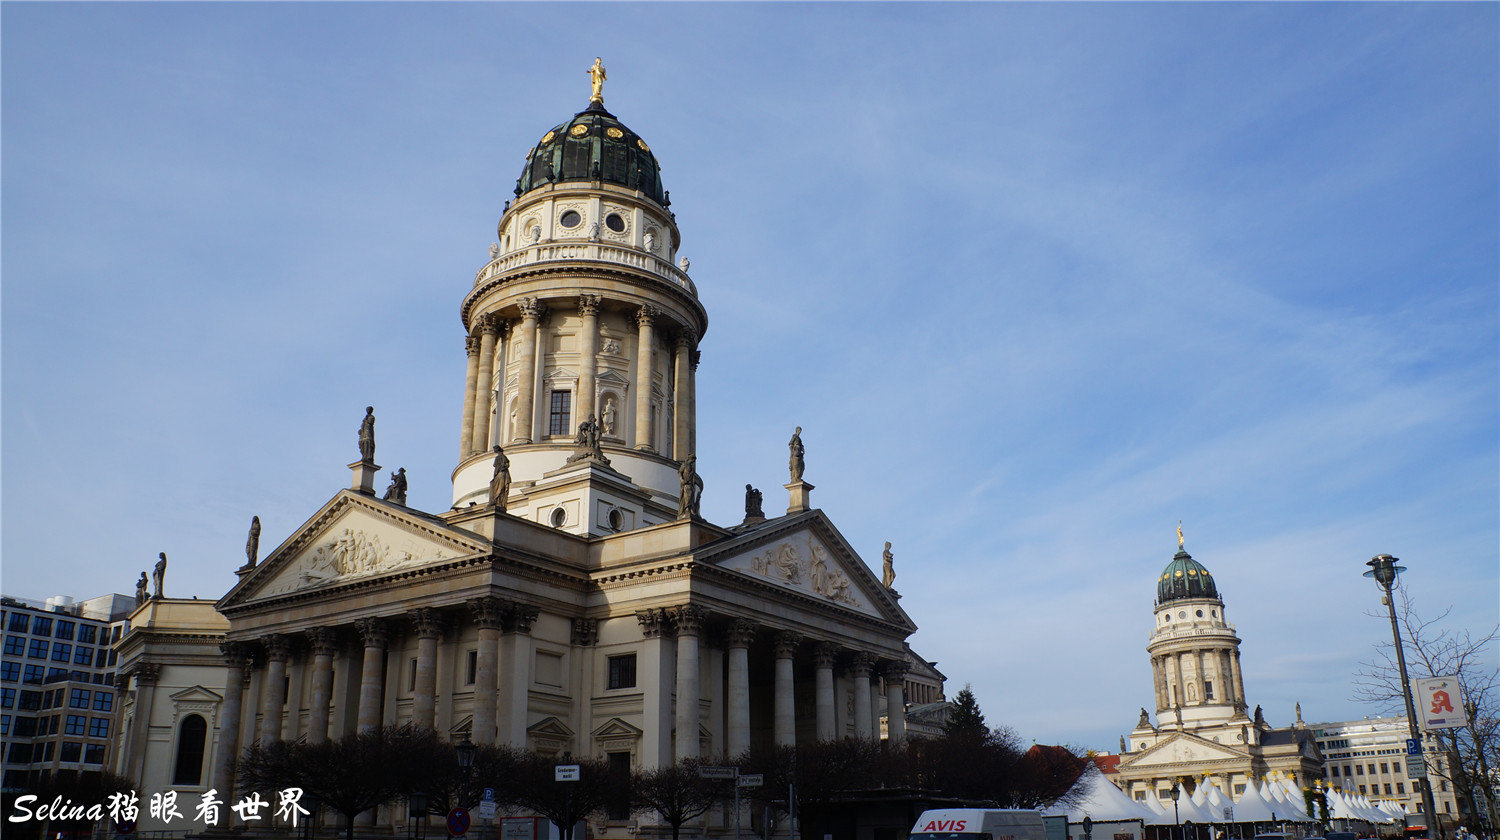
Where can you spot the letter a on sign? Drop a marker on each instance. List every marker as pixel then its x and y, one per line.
pixel 1439 699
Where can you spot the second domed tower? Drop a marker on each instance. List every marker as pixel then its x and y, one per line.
pixel 584 312
pixel 1195 653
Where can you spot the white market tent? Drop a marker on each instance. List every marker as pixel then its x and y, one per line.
pixel 1100 801
pixel 1251 806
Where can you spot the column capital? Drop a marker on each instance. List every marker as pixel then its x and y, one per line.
pixel 685 339
pixel 646 316
pixel 740 633
pixel 824 653
pixel 894 670
pixel 654 622
pixel 786 644
pixel 688 619
pixel 471 345
pixel 518 617
pixel 427 621
pixel 146 673
pixel 236 654
pixel 860 664
pixel 488 612
pixel 277 647
pixel 532 309
pixel 323 640
pixel 585 632
pixel 372 631
pixel 694 358
pixel 589 304
pixel 488 324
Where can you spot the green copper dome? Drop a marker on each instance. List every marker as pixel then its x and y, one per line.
pixel 1184 577
pixel 593 146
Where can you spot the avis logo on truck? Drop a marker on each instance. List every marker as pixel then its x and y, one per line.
pixel 979 824
pixel 954 826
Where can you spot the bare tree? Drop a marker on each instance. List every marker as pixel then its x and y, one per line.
pixel 676 793
pixel 533 785
pixel 1436 650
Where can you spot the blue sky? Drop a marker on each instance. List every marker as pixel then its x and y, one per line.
pixel 1038 281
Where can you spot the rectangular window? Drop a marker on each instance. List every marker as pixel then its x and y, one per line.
pixel 1387 788
pixel 80 698
pixel 1401 788
pixel 622 671
pixel 14 645
pixel 4 724
pixel 98 727
pixel 114 633
pixel 10 671
pixel 562 409
pixel 1359 769
pixel 472 669
pixel 1239 789
pixel 61 652
pixel 1395 767
pixel 41 627
pixel 93 754
pixel 1208 691
pixel 51 725
pixel 64 631
pixel 112 655
pixel 1443 785
pixel 1384 768
pixel 1361 789
pixel 411 677
pixel 87 634
pixel 19 754
pixel 1372 769
pixel 37 649
pixel 83 656
pixel 103 701
pixel 7 698
pixel 71 751
pixel 26 727
pixel 55 674
pixel 76 725
pixel 1335 771
pixel 30 701
pixel 1140 796
pixel 19 622
pixel 47 753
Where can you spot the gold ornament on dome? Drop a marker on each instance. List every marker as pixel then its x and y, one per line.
pixel 614 133
pixel 579 130
pixel 531 151
pixel 642 144
pixel 1179 573
pixel 548 138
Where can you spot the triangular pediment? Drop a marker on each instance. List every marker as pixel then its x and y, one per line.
pixel 550 727
pixel 353 538
pixel 196 694
pixel 1182 748
pixel 808 556
pixel 617 728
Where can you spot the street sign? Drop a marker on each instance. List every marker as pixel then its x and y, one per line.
pixel 1440 705
pixel 1416 767
pixel 1413 746
pixel 752 780
pixel 1228 815
pixel 566 773
pixel 487 809
pixel 458 822
pixel 717 772
pixel 488 795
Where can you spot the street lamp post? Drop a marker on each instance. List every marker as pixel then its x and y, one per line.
pixel 1384 570
pixel 465 751
pixel 1176 814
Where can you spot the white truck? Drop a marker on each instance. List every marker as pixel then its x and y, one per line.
pixel 979 824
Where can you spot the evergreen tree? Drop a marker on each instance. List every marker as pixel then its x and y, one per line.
pixel 965 720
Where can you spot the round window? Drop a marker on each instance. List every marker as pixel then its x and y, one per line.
pixel 614 223
pixel 616 520
pixel 559 517
pixel 1182 614
pixel 1200 613
pixel 571 219
pixel 1214 613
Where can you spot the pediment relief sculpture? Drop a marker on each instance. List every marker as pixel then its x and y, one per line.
pixel 351 553
pixel 785 564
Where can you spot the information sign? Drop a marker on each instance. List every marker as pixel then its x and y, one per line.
pixel 566 773
pixel 717 772
pixel 1413 746
pixel 487 809
pixel 1416 767
pixel 1439 703
pixel 752 780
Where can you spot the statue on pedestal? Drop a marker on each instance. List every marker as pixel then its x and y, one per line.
pixel 586 443
pixel 252 543
pixel 887 567
pixel 159 575
pixel 140 590
pixel 753 500
pixel 691 493
pixel 797 463
pixel 397 491
pixel 500 481
pixel 367 436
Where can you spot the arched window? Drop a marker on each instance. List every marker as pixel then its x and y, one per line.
pixel 192 733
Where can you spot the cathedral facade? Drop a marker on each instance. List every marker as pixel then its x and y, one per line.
pixel 572 599
pixel 1204 732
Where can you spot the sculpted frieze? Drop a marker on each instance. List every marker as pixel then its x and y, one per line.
pixel 351 553
pixel 818 572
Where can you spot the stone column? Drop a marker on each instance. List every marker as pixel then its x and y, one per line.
pixel 372 631
pixel 515 658
pixel 895 701
pixel 682 396
pixel 1173 690
pixel 785 723
pixel 484 376
pixel 488 615
pixel 645 342
pixel 654 669
pixel 531 316
pixel 278 648
pixel 325 643
pixel 823 656
pixel 692 401
pixel 428 623
pixel 689 621
pixel 146 674
pixel 471 376
pixel 875 695
pixel 741 633
pixel 588 361
pixel 859 668
pixel 1239 686
pixel 236 657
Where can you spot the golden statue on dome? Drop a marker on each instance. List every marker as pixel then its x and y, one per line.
pixel 1179 534
pixel 597 78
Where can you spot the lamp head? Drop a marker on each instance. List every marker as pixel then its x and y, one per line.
pixel 1176 791
pixel 1384 570
pixel 466 751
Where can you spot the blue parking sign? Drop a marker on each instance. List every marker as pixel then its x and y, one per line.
pixel 1413 746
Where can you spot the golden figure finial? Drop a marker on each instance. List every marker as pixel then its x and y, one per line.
pixel 1179 533
pixel 597 77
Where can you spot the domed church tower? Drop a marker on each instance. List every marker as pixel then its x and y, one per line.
pixel 582 338
pixel 1195 654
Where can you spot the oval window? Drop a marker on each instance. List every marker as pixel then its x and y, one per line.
pixel 559 517
pixel 616 520
pixel 571 219
pixel 614 223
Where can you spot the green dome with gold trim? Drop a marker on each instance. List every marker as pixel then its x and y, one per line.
pixel 593 146
pixel 1184 578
